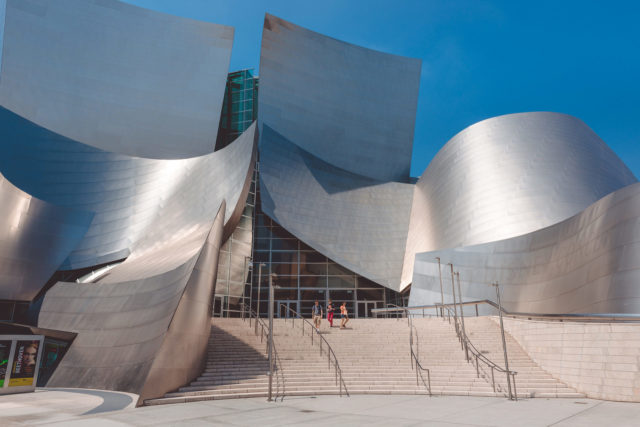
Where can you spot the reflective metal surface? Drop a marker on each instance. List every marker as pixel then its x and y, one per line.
pixel 156 305
pixel 124 192
pixel 508 176
pixel 586 264
pixel 115 76
pixel 350 106
pixel 336 125
pixel 35 238
pixel 128 330
pixel 357 222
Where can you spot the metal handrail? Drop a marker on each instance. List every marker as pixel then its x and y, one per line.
pixel 339 381
pixel 414 355
pixel 278 368
pixel 578 317
pixel 469 347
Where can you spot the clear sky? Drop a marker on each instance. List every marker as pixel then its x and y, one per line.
pixel 480 59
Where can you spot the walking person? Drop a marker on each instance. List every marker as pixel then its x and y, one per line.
pixel 330 313
pixel 317 312
pixel 344 315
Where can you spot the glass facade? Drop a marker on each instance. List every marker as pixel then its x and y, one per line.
pixel 303 275
pixel 240 106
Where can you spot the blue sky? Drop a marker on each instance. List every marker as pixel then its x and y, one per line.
pixel 480 59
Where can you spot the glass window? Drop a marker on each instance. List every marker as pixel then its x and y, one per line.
pixel 365 283
pixel 285 269
pixel 312 295
pixel 313 281
pixel 284 257
pixel 313 269
pixel 338 270
pixel 284 244
pixel 263 232
pixel 285 281
pixel 371 294
pixel 312 257
pixel 342 282
pixel 260 256
pixel 262 244
pixel 339 296
pixel 285 294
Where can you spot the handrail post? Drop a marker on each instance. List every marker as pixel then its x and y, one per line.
pixel 455 306
pixel 493 380
pixel 441 290
pixel 464 332
pixel 504 341
pixel 270 342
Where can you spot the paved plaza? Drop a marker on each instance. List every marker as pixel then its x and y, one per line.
pixel 74 407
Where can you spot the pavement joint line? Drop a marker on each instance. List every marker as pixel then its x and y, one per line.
pixel 490 403
pixel 577 413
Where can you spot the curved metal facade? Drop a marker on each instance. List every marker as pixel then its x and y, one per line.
pixel 124 192
pixel 158 301
pixel 336 124
pixel 586 264
pixel 350 106
pixel 128 330
pixel 35 237
pixel 358 222
pixel 114 76
pixel 508 176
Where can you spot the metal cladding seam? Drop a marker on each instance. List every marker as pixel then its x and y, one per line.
pixel 585 264
pixel 115 76
pixel 507 176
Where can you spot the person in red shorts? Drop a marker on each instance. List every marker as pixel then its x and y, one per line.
pixel 330 313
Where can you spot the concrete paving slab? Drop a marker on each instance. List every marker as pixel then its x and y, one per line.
pixel 74 409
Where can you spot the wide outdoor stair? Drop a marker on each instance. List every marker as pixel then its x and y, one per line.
pixel 374 357
pixel 531 380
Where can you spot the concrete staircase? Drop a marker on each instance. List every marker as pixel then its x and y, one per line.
pixel 531 380
pixel 373 355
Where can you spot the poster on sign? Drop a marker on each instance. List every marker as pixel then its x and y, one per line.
pixel 5 352
pixel 24 363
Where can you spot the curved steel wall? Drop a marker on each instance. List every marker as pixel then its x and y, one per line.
pixel 124 192
pixel 336 123
pixel 35 238
pixel 586 264
pixel 157 302
pixel 508 176
pixel 116 77
pixel 358 222
pixel 128 330
pixel 347 105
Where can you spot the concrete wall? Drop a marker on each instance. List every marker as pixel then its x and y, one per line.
pixel 601 360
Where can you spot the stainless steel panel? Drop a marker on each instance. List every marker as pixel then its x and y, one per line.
pixel 124 192
pixel 358 222
pixel 588 263
pixel 156 304
pixel 35 238
pixel 116 77
pixel 508 176
pixel 347 105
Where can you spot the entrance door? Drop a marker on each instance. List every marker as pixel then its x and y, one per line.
pixel 218 306
pixel 284 308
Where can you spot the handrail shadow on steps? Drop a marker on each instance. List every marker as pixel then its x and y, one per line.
pixel 278 368
pixel 466 344
pixel 330 353
pixel 414 354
